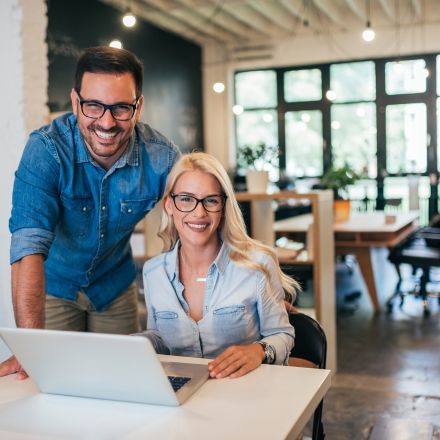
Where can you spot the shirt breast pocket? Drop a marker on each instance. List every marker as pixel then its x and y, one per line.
pixel 132 212
pixel 230 324
pixel 77 214
pixel 170 329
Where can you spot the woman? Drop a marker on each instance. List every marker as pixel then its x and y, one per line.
pixel 215 292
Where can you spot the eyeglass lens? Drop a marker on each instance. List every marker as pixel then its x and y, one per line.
pixel 95 110
pixel 187 203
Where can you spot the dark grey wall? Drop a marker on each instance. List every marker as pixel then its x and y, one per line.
pixel 172 79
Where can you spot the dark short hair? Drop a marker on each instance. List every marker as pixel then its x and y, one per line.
pixel 105 59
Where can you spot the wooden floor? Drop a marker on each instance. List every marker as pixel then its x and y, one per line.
pixel 388 382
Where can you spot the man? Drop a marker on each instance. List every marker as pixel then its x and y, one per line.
pixel 83 183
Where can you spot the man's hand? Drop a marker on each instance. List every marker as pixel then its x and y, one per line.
pixel 236 361
pixel 11 366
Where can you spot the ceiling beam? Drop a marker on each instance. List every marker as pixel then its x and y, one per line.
pixel 192 19
pixel 329 9
pixel 417 7
pixel 218 15
pixel 358 9
pixel 250 16
pixel 275 13
pixel 388 9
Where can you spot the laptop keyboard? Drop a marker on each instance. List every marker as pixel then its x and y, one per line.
pixel 177 382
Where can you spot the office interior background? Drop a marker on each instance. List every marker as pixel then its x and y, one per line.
pixel 296 73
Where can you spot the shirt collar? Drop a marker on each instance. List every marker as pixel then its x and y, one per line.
pixel 172 261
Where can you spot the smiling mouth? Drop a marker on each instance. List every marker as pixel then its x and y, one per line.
pixel 105 135
pixel 197 227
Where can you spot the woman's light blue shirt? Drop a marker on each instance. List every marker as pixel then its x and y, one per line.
pixel 237 308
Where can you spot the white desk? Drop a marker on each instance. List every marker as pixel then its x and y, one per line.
pixel 272 402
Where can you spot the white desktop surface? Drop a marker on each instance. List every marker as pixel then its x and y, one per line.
pixel 272 402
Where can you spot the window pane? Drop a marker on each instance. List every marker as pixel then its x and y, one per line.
pixel 414 192
pixel 256 127
pixel 353 81
pixel 438 133
pixel 438 75
pixel 354 137
pixel 302 85
pixel 256 89
pixel 405 77
pixel 406 138
pixel 304 145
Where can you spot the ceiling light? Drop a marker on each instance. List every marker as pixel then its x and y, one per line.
pixel 267 117
pixel 237 109
pixel 305 117
pixel 331 95
pixel 218 87
pixel 129 19
pixel 116 44
pixel 368 34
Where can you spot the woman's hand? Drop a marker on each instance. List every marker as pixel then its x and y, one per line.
pixel 236 361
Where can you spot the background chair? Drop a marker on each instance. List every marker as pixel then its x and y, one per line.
pixel 420 250
pixel 310 346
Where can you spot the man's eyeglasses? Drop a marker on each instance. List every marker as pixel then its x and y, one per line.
pixel 186 203
pixel 96 110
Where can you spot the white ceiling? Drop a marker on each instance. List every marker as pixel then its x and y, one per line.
pixel 240 22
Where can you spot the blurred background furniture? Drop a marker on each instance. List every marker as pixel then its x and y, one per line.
pixel 363 231
pixel 421 251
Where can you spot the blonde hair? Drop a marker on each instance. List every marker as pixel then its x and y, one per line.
pixel 232 226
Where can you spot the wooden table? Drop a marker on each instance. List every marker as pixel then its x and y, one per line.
pixel 272 402
pixel 358 235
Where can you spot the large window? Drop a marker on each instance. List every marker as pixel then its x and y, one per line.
pixel 304 143
pixel 377 116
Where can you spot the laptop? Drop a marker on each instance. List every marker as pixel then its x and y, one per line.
pixel 102 366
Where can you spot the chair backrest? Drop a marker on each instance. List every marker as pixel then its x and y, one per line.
pixel 310 339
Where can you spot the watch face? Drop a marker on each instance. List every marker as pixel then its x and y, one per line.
pixel 270 355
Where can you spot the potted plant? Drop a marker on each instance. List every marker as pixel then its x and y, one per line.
pixel 254 159
pixel 338 179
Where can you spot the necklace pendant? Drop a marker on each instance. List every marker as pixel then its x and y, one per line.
pixel 201 280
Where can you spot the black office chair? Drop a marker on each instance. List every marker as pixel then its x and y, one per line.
pixel 421 250
pixel 310 345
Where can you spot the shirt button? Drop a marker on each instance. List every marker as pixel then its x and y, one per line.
pixel 129 210
pixel 84 208
pixel 89 273
pixel 102 235
pixel 103 208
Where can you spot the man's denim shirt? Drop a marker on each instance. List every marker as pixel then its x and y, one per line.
pixel 237 309
pixel 80 216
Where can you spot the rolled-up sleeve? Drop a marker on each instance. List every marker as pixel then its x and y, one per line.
pixel 275 328
pixel 35 206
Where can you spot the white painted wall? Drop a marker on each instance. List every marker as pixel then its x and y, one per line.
pixel 295 51
pixel 23 90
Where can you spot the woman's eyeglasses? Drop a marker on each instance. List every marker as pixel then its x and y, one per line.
pixel 186 203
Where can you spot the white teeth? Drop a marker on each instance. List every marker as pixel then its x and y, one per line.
pixel 103 135
pixel 191 225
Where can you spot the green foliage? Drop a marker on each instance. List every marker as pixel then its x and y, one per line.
pixel 256 156
pixel 338 179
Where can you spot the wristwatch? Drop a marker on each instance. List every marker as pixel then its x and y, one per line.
pixel 269 352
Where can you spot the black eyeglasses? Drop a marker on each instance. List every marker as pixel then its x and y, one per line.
pixel 186 203
pixel 96 110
